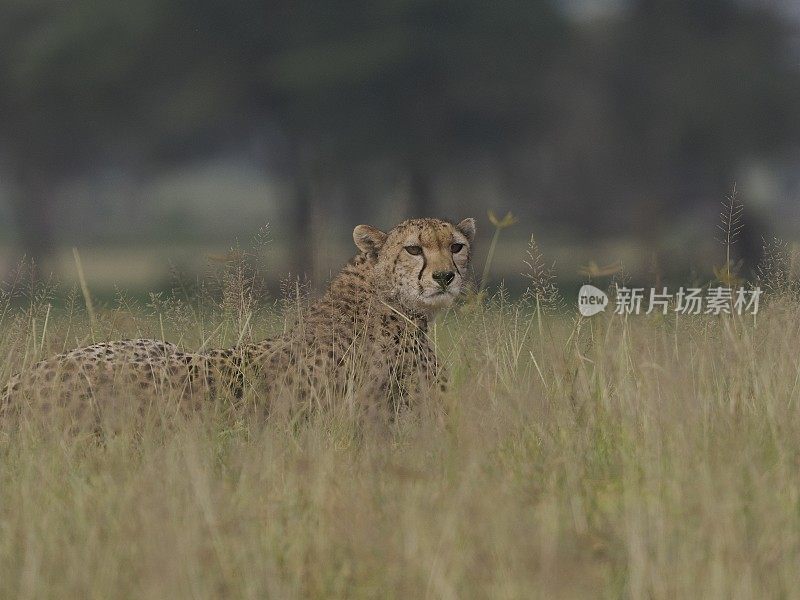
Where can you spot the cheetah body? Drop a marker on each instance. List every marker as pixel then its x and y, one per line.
pixel 367 335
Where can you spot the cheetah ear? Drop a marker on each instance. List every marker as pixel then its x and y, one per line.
pixel 368 239
pixel 467 227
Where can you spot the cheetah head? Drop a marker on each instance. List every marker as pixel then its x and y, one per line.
pixel 421 263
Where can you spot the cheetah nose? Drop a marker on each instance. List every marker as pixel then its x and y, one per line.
pixel 444 278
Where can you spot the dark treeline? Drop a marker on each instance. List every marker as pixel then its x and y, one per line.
pixel 613 122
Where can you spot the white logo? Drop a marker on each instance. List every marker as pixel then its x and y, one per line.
pixel 591 300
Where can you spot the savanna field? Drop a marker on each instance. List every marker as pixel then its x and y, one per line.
pixel 641 456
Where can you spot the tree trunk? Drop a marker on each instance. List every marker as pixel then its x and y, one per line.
pixel 299 166
pixel 32 203
pixel 302 241
pixel 421 197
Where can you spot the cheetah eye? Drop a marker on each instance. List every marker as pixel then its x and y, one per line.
pixel 456 248
pixel 414 250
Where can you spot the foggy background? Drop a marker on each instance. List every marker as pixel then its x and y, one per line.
pixel 158 133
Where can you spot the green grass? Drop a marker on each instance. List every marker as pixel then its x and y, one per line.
pixel 647 457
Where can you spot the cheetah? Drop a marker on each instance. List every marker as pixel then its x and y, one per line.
pixel 366 337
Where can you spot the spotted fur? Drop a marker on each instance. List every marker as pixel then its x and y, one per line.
pixel 366 338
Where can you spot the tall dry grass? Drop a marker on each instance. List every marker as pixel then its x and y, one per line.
pixel 639 456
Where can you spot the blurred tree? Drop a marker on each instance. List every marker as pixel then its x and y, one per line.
pixel 412 84
pixel 661 106
pixel 640 112
pixel 56 87
pixel 704 85
pixel 86 82
pixel 417 84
